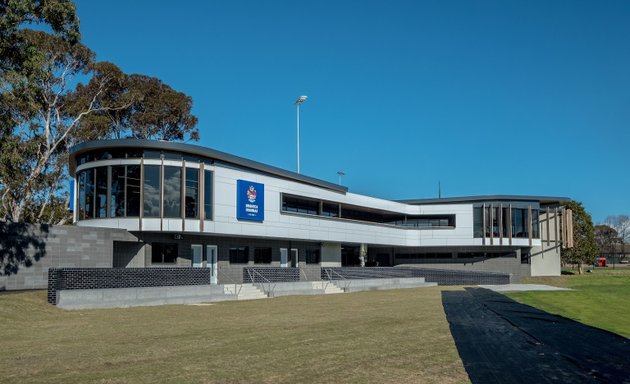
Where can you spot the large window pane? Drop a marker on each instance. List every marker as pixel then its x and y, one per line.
pixel 313 256
pixel 117 194
pixel 101 192
pixel 86 194
pixel 151 191
pixel 133 190
pixel 239 255
pixel 535 224
pixel 506 222
pixel 488 222
pixel 172 192
pixel 262 255
pixel 478 222
pixel 207 195
pixel 519 222
pixel 299 205
pixel 330 209
pixel 192 192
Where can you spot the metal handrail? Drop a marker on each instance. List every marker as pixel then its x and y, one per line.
pixel 251 272
pixel 329 273
pixel 237 286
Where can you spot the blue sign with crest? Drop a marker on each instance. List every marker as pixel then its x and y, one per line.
pixel 250 200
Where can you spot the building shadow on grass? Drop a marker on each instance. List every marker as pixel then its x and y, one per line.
pixel 502 341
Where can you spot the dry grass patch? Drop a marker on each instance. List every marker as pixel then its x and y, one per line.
pixel 397 336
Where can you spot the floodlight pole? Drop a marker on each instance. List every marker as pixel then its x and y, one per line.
pixel 298 102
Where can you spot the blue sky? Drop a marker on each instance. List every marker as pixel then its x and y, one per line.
pixel 488 97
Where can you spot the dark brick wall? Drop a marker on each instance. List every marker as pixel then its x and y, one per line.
pixel 440 276
pixel 270 274
pixel 99 278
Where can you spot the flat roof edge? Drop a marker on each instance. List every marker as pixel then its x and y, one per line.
pixel 472 199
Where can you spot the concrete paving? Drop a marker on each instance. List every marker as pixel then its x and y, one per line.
pixel 523 287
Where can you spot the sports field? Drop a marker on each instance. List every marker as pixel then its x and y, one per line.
pixel 600 299
pixel 397 336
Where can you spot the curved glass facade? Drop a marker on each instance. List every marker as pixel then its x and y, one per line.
pixel 156 191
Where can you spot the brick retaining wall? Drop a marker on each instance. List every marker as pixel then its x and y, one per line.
pixel 99 278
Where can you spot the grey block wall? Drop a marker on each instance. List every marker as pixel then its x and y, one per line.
pixel 27 251
pixel 509 265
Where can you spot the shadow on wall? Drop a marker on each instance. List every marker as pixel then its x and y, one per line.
pixel 21 245
pixel 502 341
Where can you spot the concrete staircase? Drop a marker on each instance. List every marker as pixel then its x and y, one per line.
pixel 244 291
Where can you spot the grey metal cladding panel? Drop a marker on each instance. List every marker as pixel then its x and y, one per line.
pixel 199 151
pixel 474 199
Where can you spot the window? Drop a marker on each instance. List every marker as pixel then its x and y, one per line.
pixel 358 214
pixel 163 253
pixel 495 222
pixel 330 209
pixel 427 221
pixel 151 191
pixel 192 192
pixel 239 255
pixel 207 195
pixel 172 192
pixel 117 194
pixel 101 192
pixel 300 205
pixel 478 221
pixel 506 222
pixel 133 190
pixel 535 224
pixel 86 194
pixel 519 223
pixel 262 255
pixel 313 256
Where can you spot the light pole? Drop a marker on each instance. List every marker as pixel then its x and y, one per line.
pixel 340 173
pixel 298 102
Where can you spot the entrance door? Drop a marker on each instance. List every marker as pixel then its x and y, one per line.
pixel 288 259
pixel 295 262
pixel 211 254
pixel 284 257
pixel 197 255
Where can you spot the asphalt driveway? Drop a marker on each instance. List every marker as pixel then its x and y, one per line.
pixel 502 341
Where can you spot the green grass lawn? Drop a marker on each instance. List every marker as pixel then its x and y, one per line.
pixel 399 336
pixel 600 299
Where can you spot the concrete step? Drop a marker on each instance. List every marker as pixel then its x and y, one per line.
pixel 327 287
pixel 244 291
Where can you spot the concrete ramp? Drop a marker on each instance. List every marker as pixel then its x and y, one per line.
pixel 305 288
pixel 357 285
pixel 145 296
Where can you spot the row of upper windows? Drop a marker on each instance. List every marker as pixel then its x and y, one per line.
pixel 135 153
pixel 330 209
pixel 164 191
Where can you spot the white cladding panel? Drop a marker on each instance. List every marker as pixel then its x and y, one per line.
pixel 302 227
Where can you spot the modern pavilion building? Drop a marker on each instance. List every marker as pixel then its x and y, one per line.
pixel 186 205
